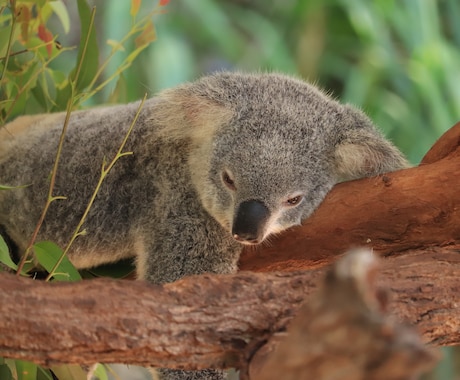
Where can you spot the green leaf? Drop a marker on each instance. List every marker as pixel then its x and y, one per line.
pixel 26 370
pixel 69 372
pixel 5 32
pixel 11 363
pixel 62 97
pixel 118 94
pixel 60 10
pixel 45 92
pixel 90 62
pixel 5 373
pixel 44 374
pixel 100 373
pixel 5 257
pixel 48 254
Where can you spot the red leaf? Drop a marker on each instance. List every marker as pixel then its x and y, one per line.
pixel 163 2
pixel 46 36
pixel 135 5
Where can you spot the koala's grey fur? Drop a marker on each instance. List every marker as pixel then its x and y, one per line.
pixel 215 161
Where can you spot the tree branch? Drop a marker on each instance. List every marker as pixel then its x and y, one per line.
pixel 203 321
pixel 343 332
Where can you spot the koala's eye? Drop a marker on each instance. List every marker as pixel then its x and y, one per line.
pixel 228 181
pixel 294 201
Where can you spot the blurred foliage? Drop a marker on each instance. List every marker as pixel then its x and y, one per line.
pixel 397 60
pixel 36 76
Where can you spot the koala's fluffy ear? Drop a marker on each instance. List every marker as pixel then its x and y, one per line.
pixel 184 114
pixel 361 150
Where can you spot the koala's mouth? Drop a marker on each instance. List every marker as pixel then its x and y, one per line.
pixel 247 241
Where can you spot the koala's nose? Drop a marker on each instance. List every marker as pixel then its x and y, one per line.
pixel 249 222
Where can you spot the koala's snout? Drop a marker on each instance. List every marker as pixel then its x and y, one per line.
pixel 249 223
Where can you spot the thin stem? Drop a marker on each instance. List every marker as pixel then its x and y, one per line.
pixel 51 198
pixel 135 28
pixel 104 172
pixel 10 38
pixel 15 53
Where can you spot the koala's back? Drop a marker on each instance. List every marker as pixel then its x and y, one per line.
pixel 27 154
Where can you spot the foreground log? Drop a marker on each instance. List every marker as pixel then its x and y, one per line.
pixel 391 213
pixel 343 332
pixel 203 321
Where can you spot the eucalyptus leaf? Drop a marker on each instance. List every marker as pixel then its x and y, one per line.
pixel 90 57
pixel 48 254
pixel 26 370
pixel 44 374
pixel 69 372
pixel 5 256
pixel 5 373
pixel 100 372
pixel 60 10
pixel 118 94
pixel 11 363
pixel 5 32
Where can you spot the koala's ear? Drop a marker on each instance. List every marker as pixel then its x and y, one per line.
pixel 183 114
pixel 361 150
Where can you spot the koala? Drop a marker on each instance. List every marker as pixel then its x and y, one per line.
pixel 223 162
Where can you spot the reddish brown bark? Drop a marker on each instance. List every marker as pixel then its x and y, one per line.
pixel 413 208
pixel 203 321
pixel 343 332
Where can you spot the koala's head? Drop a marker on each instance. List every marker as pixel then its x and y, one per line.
pixel 266 148
pixel 262 183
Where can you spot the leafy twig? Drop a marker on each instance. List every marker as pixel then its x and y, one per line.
pixel 10 38
pixel 25 86
pixel 13 54
pixel 52 198
pixel 137 27
pixel 105 169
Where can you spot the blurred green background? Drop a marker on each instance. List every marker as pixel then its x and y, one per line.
pixel 397 60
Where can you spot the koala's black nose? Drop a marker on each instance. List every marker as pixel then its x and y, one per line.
pixel 249 222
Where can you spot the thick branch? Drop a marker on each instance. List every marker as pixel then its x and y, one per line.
pixel 343 332
pixel 202 321
pixel 407 209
